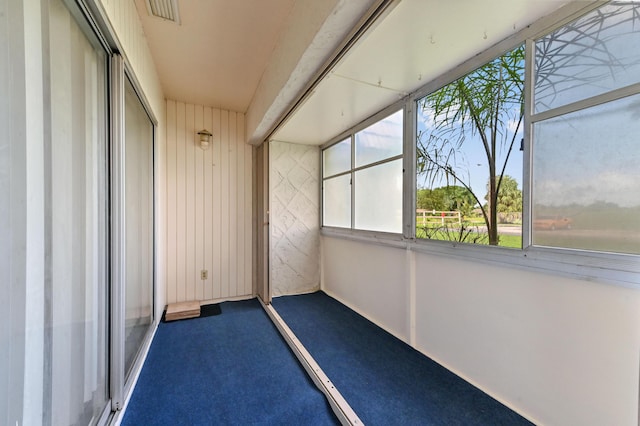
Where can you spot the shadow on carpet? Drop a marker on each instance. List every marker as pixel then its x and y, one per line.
pixel 209 310
pixel 227 369
pixel 383 379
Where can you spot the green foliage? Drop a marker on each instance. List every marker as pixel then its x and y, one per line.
pixel 447 198
pixel 466 234
pixel 429 199
pixel 509 196
pixel 462 234
pixel 512 241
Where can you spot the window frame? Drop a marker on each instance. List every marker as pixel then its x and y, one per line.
pixel 351 135
pixel 123 381
pixel 468 67
pixel 618 269
pixel 532 117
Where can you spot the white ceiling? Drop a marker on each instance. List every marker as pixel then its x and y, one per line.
pixel 418 41
pixel 218 53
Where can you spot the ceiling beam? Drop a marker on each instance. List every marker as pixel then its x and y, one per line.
pixel 314 35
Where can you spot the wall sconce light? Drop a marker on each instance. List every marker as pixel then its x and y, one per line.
pixel 205 136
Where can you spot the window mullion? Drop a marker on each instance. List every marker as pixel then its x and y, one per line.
pixel 527 154
pixel 336 175
pixel 409 167
pixel 613 95
pixel 351 181
pixel 378 163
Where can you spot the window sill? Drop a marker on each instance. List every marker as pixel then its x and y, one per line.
pixel 609 268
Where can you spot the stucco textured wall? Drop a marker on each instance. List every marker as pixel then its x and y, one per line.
pixel 294 218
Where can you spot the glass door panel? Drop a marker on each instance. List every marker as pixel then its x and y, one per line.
pixel 76 388
pixel 139 225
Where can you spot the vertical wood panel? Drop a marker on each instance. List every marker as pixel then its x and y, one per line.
pixel 240 203
pixel 199 205
pixel 132 27
pixel 248 220
pixel 233 204
pixel 116 13
pixel 124 24
pixel 217 208
pixel 190 188
pixel 224 204
pixel 119 17
pixel 208 213
pixel 171 206
pixel 209 202
pixel 181 204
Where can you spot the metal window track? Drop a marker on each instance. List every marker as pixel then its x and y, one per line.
pixel 339 405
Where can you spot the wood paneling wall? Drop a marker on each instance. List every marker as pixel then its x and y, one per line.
pixel 209 205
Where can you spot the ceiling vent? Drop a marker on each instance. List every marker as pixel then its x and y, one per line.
pixel 165 9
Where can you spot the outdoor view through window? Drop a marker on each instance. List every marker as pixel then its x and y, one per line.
pixel 581 160
pixel 586 156
pixel 469 158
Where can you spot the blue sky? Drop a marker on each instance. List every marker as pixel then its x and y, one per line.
pixel 472 163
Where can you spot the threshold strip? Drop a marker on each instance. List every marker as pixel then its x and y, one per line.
pixel 339 405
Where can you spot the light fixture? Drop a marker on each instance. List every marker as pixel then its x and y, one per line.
pixel 205 136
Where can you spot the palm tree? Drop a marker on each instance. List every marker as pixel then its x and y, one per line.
pixel 509 196
pixel 486 104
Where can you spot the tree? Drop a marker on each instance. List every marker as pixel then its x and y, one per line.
pixel 446 198
pixel 485 106
pixel 509 196
pixel 458 198
pixel 429 199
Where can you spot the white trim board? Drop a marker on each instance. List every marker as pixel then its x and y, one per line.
pixel 339 405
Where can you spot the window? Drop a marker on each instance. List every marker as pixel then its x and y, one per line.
pixel 469 163
pixel 362 178
pixel 552 167
pixel 139 221
pixel 585 174
pixel 336 167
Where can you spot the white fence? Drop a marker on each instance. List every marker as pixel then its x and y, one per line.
pixel 425 217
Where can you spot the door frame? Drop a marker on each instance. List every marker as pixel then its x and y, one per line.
pixel 262 281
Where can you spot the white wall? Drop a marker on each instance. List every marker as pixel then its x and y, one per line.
pixel 557 350
pixel 208 205
pixel 294 218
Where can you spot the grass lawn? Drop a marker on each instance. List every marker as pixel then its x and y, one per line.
pixel 513 241
pixel 506 240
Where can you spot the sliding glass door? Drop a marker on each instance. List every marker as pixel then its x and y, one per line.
pixel 76 217
pixel 75 344
pixel 138 292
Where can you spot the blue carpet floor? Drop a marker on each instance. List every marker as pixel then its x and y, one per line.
pixel 385 381
pixel 229 369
